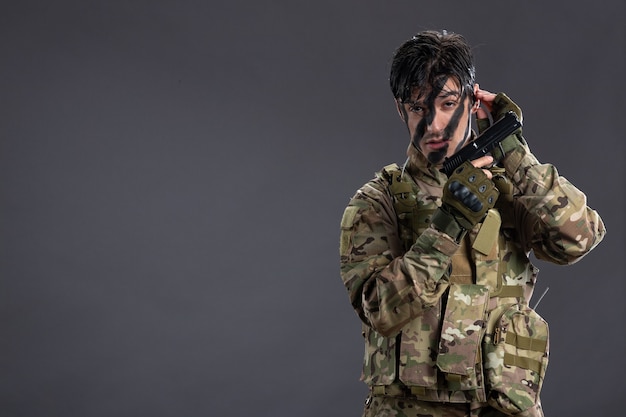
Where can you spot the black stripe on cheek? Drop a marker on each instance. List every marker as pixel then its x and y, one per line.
pixel 453 124
pixel 465 136
pixel 420 129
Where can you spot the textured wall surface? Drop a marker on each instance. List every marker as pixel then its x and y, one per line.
pixel 173 174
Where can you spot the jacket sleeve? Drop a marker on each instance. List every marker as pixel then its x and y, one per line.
pixel 552 214
pixel 388 288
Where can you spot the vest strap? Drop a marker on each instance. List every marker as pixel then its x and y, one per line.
pixel 526 343
pixel 510 291
pixel 522 362
pixel 399 390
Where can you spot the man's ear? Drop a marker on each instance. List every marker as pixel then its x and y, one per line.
pixel 400 109
pixel 476 102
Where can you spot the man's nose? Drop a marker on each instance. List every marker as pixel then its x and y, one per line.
pixel 437 123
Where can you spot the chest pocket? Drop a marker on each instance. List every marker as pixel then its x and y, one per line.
pixel 413 209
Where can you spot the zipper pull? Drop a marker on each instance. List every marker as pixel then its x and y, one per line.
pixel 496 335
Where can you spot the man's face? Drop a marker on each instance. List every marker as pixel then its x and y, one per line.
pixel 438 121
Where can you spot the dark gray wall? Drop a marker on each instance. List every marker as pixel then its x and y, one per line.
pixel 173 173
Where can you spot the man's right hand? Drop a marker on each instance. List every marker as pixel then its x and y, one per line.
pixel 469 193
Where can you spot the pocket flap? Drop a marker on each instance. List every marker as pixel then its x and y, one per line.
pixel 462 329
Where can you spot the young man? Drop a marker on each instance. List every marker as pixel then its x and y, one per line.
pixel 437 268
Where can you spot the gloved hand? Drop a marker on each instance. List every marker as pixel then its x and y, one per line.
pixel 467 196
pixel 501 105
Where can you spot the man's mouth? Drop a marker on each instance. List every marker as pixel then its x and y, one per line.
pixel 436 144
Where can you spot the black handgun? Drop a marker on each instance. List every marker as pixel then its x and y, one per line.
pixel 484 143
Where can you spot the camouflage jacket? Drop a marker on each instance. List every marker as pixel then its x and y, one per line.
pixel 417 317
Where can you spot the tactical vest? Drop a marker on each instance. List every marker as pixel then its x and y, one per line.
pixel 445 354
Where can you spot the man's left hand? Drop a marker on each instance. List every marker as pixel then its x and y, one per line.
pixel 497 105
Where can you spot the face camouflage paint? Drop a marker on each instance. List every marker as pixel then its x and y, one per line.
pixel 434 123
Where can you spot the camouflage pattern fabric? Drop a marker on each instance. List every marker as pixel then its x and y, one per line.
pixel 461 335
pixel 400 292
pixel 562 228
pixel 390 406
pixel 516 357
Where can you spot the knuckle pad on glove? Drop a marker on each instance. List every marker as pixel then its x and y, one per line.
pixel 469 194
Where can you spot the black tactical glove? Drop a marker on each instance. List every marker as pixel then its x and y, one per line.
pixel 502 104
pixel 467 196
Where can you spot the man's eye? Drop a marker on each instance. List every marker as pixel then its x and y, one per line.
pixel 450 104
pixel 416 109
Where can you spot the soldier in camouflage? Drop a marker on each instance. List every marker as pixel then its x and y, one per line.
pixel 438 268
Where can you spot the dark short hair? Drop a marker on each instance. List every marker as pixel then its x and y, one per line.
pixel 427 60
